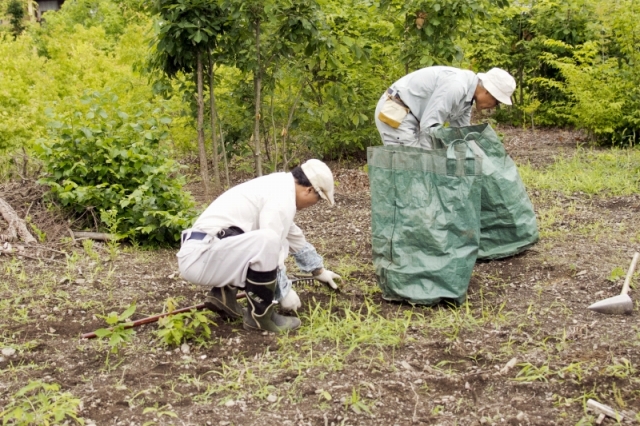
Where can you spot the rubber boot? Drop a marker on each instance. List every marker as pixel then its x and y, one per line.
pixel 260 313
pixel 223 301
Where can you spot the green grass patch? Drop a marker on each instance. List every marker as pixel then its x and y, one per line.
pixel 340 331
pixel 613 172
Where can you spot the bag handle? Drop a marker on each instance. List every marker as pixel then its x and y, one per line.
pixel 459 152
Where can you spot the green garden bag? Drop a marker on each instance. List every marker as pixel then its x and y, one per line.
pixel 507 220
pixel 425 220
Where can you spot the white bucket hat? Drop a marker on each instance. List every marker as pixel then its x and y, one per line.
pixel 320 177
pixel 499 83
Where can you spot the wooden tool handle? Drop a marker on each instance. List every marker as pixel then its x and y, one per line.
pixel 155 318
pixel 627 280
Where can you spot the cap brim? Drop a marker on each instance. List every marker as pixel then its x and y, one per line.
pixel 504 100
pixel 325 197
pixel 493 90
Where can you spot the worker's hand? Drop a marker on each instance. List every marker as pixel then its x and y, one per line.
pixel 327 277
pixel 291 302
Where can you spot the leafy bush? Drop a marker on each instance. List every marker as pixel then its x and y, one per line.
pixel 605 94
pixel 101 159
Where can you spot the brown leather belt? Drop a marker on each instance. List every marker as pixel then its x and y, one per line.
pixel 395 98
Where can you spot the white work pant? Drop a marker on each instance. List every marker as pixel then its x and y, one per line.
pixel 214 262
pixel 408 134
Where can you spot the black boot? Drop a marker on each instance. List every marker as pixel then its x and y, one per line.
pixel 223 301
pixel 260 313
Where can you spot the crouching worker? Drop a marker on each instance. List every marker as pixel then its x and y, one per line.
pixel 242 239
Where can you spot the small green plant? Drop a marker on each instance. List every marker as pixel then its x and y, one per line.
pixel 40 234
pixel 178 328
pixel 118 333
pixel 40 403
pixel 110 218
pixel 437 410
pixel 356 404
pixel 621 369
pixel 87 245
pixel 158 412
pixel 617 272
pixel 531 373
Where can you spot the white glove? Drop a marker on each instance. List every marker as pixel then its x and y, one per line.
pixel 327 277
pixel 291 302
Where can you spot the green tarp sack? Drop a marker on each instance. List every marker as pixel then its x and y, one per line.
pixel 425 220
pixel 507 220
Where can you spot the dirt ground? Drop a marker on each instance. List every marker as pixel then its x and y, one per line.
pixel 524 351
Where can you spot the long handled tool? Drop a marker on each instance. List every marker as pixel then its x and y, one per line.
pixel 621 304
pixel 155 318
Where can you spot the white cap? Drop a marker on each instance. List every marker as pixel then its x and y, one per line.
pixel 499 83
pixel 320 177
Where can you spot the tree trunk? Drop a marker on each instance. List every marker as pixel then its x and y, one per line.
pixel 204 169
pixel 17 227
pixel 275 138
pixel 30 11
pixel 521 78
pixel 214 135
pixel 224 154
pixel 285 131
pixel 257 85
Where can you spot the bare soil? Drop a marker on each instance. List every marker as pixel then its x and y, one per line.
pixel 534 303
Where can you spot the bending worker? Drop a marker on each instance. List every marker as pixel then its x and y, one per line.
pixel 242 239
pixel 433 96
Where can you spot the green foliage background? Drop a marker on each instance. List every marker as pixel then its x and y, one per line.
pixel 112 162
pixel 324 65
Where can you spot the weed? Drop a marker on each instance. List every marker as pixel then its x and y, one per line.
pixel 613 172
pixel 617 395
pixel 350 330
pixel 40 234
pixel 41 404
pixel 158 412
pixel 437 410
pixel 621 369
pixel 88 246
pixel 573 371
pixel 356 404
pixel 118 333
pixel 531 373
pixel 617 273
pixel 178 328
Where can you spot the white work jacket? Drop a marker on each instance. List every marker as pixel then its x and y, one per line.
pixel 436 95
pixel 267 202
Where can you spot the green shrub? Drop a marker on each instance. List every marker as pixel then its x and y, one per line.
pixel 605 94
pixel 103 160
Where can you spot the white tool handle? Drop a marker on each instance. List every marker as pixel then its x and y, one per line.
pixel 627 280
pixel 604 409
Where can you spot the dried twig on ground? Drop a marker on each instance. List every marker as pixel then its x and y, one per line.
pixel 98 236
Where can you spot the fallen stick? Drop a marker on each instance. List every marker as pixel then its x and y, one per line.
pixel 155 318
pixel 98 236
pixel 20 254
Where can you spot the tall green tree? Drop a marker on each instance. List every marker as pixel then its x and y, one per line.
pixel 262 34
pixel 427 30
pixel 16 11
pixel 186 32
